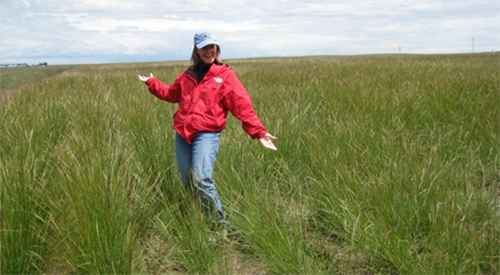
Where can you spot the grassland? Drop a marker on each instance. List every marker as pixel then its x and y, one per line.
pixel 12 77
pixel 386 164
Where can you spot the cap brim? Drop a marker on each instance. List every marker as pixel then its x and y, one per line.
pixel 206 42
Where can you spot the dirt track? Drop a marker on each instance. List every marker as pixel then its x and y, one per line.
pixel 5 94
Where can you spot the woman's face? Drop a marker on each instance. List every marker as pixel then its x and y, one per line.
pixel 208 53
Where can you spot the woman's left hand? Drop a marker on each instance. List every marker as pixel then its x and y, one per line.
pixel 267 141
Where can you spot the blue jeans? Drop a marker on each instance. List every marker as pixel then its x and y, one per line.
pixel 196 163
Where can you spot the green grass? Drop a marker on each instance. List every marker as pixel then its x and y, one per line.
pixel 386 164
pixel 12 77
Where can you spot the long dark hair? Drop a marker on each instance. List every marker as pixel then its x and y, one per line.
pixel 196 60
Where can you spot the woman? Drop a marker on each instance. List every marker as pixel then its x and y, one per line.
pixel 206 91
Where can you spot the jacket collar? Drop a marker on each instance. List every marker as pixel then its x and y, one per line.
pixel 214 70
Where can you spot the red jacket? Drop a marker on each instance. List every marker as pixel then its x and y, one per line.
pixel 204 106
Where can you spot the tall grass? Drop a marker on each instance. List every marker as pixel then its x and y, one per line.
pixel 386 164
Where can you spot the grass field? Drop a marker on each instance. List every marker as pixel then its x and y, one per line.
pixel 386 164
pixel 12 77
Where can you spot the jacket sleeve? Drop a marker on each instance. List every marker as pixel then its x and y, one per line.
pixel 238 102
pixel 170 93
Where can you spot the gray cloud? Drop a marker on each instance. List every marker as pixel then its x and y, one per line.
pixel 101 31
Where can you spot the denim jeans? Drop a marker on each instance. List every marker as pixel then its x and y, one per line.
pixel 196 163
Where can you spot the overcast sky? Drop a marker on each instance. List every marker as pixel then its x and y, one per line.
pixel 109 31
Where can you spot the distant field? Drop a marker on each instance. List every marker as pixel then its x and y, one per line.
pixel 387 164
pixel 11 77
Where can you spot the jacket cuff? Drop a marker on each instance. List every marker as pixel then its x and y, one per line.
pixel 149 80
pixel 261 134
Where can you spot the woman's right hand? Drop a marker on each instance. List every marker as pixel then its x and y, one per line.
pixel 145 78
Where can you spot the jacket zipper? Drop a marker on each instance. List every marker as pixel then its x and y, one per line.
pixel 196 87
